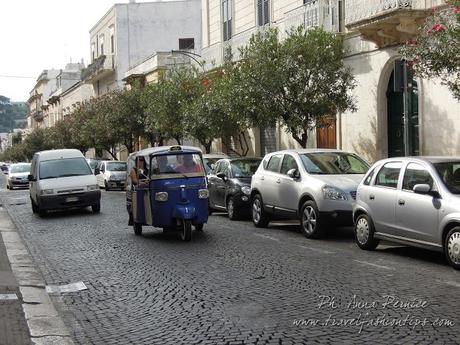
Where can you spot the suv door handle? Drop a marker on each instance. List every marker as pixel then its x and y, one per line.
pixel 262 178
pixel 278 181
pixel 401 202
pixel 372 196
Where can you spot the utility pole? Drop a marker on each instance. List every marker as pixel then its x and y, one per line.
pixel 407 150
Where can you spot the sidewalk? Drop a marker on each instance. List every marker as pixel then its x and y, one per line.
pixel 27 315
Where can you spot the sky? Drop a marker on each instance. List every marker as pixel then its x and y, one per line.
pixel 43 34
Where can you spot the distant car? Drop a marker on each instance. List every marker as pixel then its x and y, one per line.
pixel 211 158
pixel 316 186
pixel 93 163
pixel 17 176
pixel 229 185
pixel 413 201
pixel 111 174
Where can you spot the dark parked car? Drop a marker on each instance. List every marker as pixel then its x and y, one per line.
pixel 230 185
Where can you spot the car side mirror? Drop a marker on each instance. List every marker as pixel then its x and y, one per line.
pixel 97 171
pixel 425 189
pixel 30 178
pixel 222 176
pixel 294 173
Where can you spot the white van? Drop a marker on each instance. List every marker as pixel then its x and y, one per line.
pixel 61 179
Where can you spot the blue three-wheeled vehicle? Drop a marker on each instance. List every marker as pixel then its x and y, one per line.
pixel 167 188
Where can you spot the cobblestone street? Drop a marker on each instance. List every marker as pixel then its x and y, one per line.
pixel 233 283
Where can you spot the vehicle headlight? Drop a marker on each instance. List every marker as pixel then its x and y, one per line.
pixel 333 193
pixel 93 187
pixel 161 196
pixel 246 190
pixel 47 191
pixel 203 193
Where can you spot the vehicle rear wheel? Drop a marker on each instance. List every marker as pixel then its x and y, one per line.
pixel 137 229
pixel 96 208
pixel 452 247
pixel 259 217
pixel 364 233
pixel 186 230
pixel 311 222
pixel 199 227
pixel 233 213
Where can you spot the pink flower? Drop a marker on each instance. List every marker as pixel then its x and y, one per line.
pixel 436 28
pixel 456 10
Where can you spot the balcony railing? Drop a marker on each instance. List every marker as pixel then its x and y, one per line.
pixel 101 67
pixel 37 115
pixel 320 13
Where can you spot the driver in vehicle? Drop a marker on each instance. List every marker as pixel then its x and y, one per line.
pixel 188 165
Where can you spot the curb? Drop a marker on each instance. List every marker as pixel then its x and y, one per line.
pixel 45 325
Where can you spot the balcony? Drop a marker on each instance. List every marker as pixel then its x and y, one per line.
pixel 387 22
pixel 37 115
pixel 102 67
pixel 321 13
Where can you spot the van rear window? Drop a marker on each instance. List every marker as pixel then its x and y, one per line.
pixel 64 168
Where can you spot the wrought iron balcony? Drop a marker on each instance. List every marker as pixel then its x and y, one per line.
pixel 387 22
pixel 319 13
pixel 101 67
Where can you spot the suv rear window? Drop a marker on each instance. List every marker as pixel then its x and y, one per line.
pixel 274 163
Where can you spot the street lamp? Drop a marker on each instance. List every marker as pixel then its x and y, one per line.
pixel 191 56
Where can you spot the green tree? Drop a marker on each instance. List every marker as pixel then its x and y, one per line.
pixel 435 52
pixel 297 82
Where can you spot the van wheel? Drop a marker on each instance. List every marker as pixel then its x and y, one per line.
pixel 452 247
pixel 186 231
pixel 137 229
pixel 259 217
pixel 311 222
pixel 34 207
pixel 364 233
pixel 96 208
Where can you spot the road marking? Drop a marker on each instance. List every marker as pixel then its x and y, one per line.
pixel 267 237
pixel 374 265
pixel 322 251
pixel 8 297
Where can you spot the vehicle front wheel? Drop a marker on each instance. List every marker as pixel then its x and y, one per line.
pixel 137 229
pixel 41 212
pixel 199 227
pixel 96 208
pixel 259 217
pixel 452 247
pixel 364 233
pixel 106 186
pixel 34 207
pixel 311 223
pixel 186 230
pixel 233 213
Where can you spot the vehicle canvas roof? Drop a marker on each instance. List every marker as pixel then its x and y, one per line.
pixel 165 149
pixel 59 154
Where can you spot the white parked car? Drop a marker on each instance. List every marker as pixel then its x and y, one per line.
pixel 61 179
pixel 17 175
pixel 316 186
pixel 111 174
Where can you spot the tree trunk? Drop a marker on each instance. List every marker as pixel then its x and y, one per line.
pixel 302 140
pixel 207 145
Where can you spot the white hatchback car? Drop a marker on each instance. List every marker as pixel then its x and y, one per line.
pixel 313 185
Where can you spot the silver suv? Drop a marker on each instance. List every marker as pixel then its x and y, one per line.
pixel 313 185
pixel 414 201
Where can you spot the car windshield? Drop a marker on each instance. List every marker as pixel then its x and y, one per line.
pixel 116 166
pixel 64 168
pixel 181 163
pixel 244 167
pixel 333 163
pixel 449 172
pixel 93 163
pixel 20 168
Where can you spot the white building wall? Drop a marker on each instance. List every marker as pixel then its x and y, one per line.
pixel 75 95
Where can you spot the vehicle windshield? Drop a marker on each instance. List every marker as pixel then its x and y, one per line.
pixel 208 162
pixel 64 167
pixel 20 168
pixel 116 166
pixel 449 172
pixel 93 163
pixel 181 163
pixel 244 167
pixel 333 163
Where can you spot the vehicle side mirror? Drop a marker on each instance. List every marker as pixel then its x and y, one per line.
pixel 294 173
pixel 222 176
pixel 31 178
pixel 425 189
pixel 97 171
